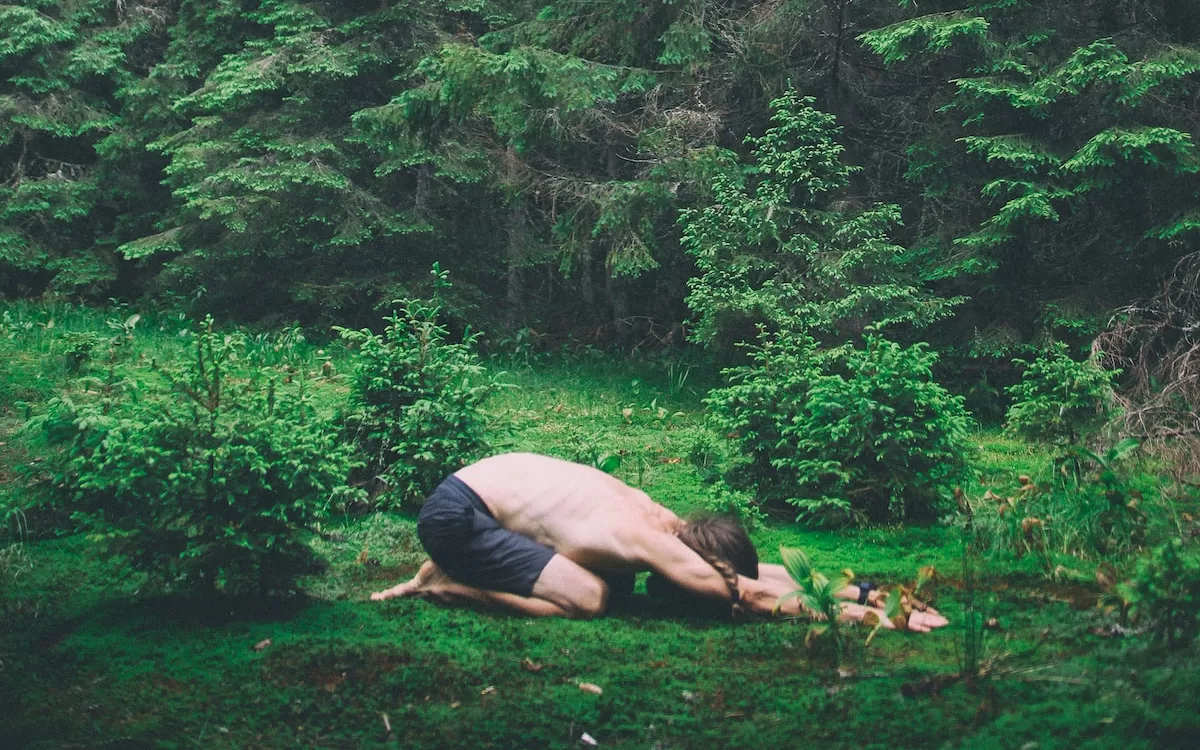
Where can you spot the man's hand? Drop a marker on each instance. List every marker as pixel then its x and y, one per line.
pixel 923 622
pixel 918 622
pixel 880 601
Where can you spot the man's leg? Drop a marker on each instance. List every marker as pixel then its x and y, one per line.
pixel 564 589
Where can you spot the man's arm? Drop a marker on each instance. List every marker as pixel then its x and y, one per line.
pixel 760 596
pixel 778 576
pixel 666 555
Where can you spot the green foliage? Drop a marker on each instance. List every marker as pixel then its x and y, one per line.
pixel 846 434
pixel 207 481
pixel 933 33
pixel 417 399
pixel 60 64
pixel 277 201
pixel 1164 594
pixel 1101 513
pixel 1060 400
pixel 817 594
pixel 1068 138
pixel 772 249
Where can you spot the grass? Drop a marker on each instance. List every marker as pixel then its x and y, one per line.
pixel 91 657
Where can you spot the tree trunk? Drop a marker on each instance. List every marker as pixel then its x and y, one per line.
pixel 515 294
pixel 614 290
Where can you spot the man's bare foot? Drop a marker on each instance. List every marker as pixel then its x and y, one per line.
pixel 427 576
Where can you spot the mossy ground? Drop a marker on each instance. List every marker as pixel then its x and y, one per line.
pixel 90 656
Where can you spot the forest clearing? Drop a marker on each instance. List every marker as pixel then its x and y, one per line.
pixel 905 297
pixel 95 654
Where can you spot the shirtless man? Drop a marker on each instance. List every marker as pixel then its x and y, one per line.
pixel 537 535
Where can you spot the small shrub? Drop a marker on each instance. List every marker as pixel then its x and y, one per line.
pixel 1059 400
pixel 417 399
pixel 1164 594
pixel 207 482
pixel 706 454
pixel 590 449
pixel 818 598
pixel 845 434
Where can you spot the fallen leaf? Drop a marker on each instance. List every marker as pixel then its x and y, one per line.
pixel 529 665
pixel 588 687
pixel 262 644
pixel 627 413
pixel 489 690
pixel 455 704
pixel 588 740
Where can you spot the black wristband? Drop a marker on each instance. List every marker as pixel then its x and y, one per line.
pixel 864 590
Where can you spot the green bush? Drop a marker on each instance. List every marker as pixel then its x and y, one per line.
pixel 417 400
pixel 207 481
pixel 1059 400
pixel 844 434
pixel 1164 594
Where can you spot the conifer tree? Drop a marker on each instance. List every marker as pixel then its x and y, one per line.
pixel 62 68
pixel 1059 161
pixel 778 249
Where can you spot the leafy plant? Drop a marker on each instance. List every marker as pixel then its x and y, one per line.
pixel 817 594
pixel 14 530
pixel 417 399
pixel 208 481
pixel 1098 515
pixel 1164 594
pixel 844 434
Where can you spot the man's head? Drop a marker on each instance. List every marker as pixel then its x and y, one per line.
pixel 724 544
pixel 722 538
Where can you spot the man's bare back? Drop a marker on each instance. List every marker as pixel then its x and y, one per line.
pixel 580 512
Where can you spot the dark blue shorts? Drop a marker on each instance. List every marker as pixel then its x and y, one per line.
pixel 461 536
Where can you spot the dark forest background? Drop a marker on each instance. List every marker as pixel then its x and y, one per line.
pixel 310 160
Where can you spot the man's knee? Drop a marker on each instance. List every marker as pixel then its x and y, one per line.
pixel 591 600
pixel 579 592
